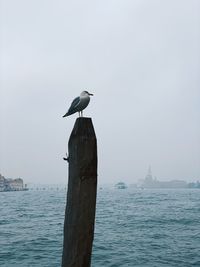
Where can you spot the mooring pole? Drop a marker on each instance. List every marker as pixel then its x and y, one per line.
pixel 81 195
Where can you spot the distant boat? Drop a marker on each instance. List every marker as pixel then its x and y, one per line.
pixel 120 185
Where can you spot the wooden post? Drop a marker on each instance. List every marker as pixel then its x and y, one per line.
pixel 81 195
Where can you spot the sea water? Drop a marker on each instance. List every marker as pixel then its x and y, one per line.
pixel 136 228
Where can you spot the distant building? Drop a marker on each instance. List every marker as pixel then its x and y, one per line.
pixel 194 185
pixel 2 182
pixel 11 184
pixel 16 184
pixel 150 182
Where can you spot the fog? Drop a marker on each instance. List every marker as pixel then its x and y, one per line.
pixel 140 59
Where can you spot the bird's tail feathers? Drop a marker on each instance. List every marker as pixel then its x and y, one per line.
pixel 65 115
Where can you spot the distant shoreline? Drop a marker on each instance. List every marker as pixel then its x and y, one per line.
pixel 24 189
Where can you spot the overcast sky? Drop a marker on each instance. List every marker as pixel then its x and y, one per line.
pixel 140 58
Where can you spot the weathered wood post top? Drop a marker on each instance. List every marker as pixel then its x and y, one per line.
pixel 81 195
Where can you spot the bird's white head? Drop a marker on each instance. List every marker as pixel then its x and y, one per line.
pixel 86 93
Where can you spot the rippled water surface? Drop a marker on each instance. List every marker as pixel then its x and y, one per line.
pixel 133 228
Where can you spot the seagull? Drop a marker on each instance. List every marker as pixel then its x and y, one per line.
pixel 79 104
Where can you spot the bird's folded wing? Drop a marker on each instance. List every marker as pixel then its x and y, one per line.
pixel 75 103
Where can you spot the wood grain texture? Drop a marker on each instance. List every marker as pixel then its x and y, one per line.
pixel 81 195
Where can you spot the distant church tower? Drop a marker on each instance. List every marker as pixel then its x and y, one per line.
pixel 149 175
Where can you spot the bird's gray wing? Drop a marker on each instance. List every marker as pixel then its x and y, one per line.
pixel 74 104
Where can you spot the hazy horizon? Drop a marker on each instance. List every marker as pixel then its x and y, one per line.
pixel 141 59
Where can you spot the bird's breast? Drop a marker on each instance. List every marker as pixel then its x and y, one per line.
pixel 84 101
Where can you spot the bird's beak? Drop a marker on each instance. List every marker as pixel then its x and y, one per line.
pixel 90 94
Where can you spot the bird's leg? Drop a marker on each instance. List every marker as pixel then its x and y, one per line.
pixel 81 113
